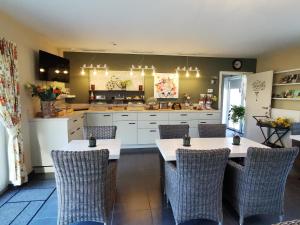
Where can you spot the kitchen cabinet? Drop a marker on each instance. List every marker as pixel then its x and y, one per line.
pixel 99 119
pixel 47 134
pixel 134 129
pixel 126 131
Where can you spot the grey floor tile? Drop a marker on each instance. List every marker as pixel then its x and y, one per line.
pixel 26 215
pixel 9 211
pixel 7 195
pixel 49 209
pixel 32 195
pixel 44 221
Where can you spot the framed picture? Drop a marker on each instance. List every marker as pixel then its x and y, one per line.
pixel 166 85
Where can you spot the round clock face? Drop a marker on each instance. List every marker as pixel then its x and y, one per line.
pixel 237 64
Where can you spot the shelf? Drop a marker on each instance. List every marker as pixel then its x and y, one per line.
pixel 287 99
pixel 112 91
pixel 287 84
pixel 286 71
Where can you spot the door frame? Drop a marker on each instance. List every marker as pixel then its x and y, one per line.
pixel 222 74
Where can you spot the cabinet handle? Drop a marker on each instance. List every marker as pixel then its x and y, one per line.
pixel 124 115
pixel 202 122
pixel 74 121
pixel 106 115
pixel 78 128
pixel 183 122
pixel 153 115
pixel 183 114
pixel 209 114
pixel 73 132
pixel 82 117
pixel 152 123
pixel 131 123
pixel 152 131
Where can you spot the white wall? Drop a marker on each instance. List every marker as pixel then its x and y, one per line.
pixel 28 43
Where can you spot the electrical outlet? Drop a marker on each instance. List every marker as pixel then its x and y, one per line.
pixel 210 90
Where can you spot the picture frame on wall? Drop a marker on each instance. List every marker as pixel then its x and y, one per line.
pixel 166 85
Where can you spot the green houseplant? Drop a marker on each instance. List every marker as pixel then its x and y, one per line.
pixel 236 114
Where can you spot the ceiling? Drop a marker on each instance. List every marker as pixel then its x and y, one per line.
pixel 228 28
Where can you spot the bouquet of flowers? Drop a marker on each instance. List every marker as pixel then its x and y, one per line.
pixel 45 93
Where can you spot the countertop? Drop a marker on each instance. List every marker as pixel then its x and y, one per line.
pixel 78 113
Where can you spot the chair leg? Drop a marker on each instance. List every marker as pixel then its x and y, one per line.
pixel 281 218
pixel 241 221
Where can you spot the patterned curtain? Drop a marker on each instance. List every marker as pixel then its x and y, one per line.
pixel 10 112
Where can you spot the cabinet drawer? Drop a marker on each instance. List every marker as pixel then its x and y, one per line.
pixel 124 116
pixel 209 116
pixel 180 116
pixel 147 136
pixel 209 121
pixel 153 116
pixel 191 123
pixel 99 119
pixel 75 122
pixel 151 124
pixel 75 134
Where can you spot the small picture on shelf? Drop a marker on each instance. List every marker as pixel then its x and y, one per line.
pixel 292 78
pixel 297 94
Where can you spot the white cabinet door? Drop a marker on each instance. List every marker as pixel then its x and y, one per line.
pixel 193 132
pixel 126 131
pixel 147 136
pixel 99 119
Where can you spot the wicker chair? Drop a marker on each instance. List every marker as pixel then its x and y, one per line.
pixel 100 132
pixel 258 187
pixel 194 186
pixel 86 185
pixel 293 222
pixel 212 130
pixel 295 130
pixel 173 131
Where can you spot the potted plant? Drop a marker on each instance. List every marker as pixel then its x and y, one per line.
pixel 47 95
pixel 123 84
pixel 236 114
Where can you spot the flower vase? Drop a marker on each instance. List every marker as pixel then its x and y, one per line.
pixel 48 108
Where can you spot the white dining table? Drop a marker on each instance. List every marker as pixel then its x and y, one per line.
pixel 113 146
pixel 168 147
pixel 295 137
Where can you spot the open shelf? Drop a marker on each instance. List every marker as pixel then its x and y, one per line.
pixel 287 99
pixel 286 84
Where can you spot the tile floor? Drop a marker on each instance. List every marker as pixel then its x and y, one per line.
pixel 139 200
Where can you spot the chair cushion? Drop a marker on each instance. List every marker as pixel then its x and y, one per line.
pixel 87 223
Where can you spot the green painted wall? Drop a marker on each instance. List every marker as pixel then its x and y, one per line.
pixel 209 67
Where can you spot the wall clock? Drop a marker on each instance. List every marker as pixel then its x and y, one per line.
pixel 237 64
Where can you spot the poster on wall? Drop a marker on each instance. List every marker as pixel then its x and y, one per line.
pixel 166 85
pixel 115 80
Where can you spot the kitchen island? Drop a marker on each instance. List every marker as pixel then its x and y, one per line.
pixel 135 129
